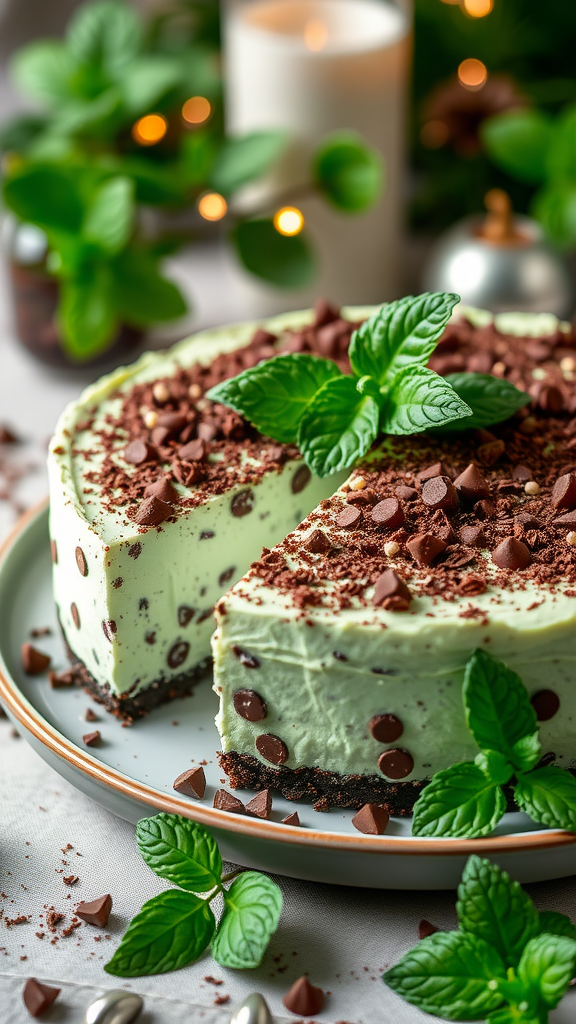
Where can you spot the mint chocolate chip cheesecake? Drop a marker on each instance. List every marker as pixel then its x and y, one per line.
pixel 161 498
pixel 340 656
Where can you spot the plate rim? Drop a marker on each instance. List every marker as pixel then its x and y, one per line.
pixel 98 772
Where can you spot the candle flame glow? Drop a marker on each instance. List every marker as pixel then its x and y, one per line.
pixel 289 220
pixel 477 8
pixel 148 130
pixel 315 34
pixel 212 206
pixel 196 110
pixel 472 74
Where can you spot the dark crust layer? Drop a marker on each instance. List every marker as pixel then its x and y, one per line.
pixel 317 786
pixel 129 708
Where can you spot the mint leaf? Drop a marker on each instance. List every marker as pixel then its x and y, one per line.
pixel 274 395
pixel 106 36
pixel 526 752
pixel 419 400
pixel 448 974
pixel 498 709
pixel 519 141
pixel 495 908
pixel 337 427
pixel 547 967
pixel 286 261
pixel 246 158
pixel 552 923
pixel 142 296
pixel 43 70
pixel 401 334
pixel 86 315
pixel 554 206
pixel 45 195
pixel 110 217
pixel 252 908
pixel 491 399
pixel 146 80
pixel 348 172
pixel 460 802
pixel 171 931
pixel 548 795
pixel 514 1015
pixel 181 851
pixel 495 766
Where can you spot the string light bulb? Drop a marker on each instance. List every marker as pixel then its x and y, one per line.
pixel 477 8
pixel 212 206
pixel 148 130
pixel 472 74
pixel 289 220
pixel 315 35
pixel 196 110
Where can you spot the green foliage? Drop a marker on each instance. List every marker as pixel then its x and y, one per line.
pixel 493 399
pixel 338 426
pixel 246 158
pixel 500 965
pixel 518 140
pixel 285 261
pixel 348 172
pixel 176 927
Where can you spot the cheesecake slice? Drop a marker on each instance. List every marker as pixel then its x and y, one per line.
pixel 160 499
pixel 339 657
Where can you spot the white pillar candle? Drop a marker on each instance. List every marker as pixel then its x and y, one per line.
pixel 313 67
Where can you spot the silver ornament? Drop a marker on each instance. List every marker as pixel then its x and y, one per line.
pixel 254 1010
pixel 115 1007
pixel 501 262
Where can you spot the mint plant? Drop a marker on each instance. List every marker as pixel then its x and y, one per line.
pixel 334 418
pixel 174 928
pixel 507 963
pixel 466 800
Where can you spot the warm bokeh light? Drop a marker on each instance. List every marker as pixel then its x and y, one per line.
pixel 315 34
pixel 196 110
pixel 472 74
pixel 148 130
pixel 434 134
pixel 477 8
pixel 212 206
pixel 289 220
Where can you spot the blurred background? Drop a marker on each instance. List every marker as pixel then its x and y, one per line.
pixel 172 164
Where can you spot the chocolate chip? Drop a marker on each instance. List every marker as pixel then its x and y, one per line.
pixel 92 739
pixel 300 479
pixel 339 656
pixel 187 473
pixel 528 521
pixel 160 436
pixel 117 583
pixel 546 704
pixel 324 313
pixel 248 660
pixel 54 552
pixel 138 451
pixel 385 728
pixel 471 484
pixel 391 592
pixel 550 398
pixel 75 615
pixel 191 783
pixel 317 543
pixel 473 536
pixel 292 819
pixel 89 716
pixel 226 576
pixel 304 999
pixel 371 820
pixel 135 550
pixel 568 519
pixel 97 911
pixel 224 801
pixel 172 421
pixel 439 493
pixel 365 497
pixel 178 653
pixel 152 512
pixel 511 554
pixel 485 509
pixel 396 763
pixel 207 535
pixel 425 547
pixel 194 451
pixel 564 492
pixel 425 929
pixel 81 561
pixel 33 661
pixel 348 517
pixel 438 469
pixel 406 493
pixel 388 513
pixel 164 490
pixel 249 705
pixel 109 628
pixel 490 453
pixel 242 503
pixel 150 637
pixel 522 473
pixel 185 614
pixel 260 806
pixel 38 997
pixel 61 680
pixel 271 748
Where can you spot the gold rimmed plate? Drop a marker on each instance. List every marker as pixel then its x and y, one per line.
pixel 132 772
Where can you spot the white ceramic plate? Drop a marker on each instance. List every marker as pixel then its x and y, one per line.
pixel 132 772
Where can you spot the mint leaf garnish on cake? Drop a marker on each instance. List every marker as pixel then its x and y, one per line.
pixel 174 928
pixel 466 800
pixel 334 418
pixel 506 963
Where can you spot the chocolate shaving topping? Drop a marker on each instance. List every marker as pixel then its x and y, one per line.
pixel 371 820
pixel 249 705
pixel 271 748
pixel 96 912
pixel 191 783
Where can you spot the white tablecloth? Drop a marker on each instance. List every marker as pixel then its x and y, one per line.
pixel 343 938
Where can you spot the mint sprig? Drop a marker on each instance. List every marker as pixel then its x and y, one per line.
pixel 502 965
pixel 174 928
pixel 335 418
pixel 466 800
